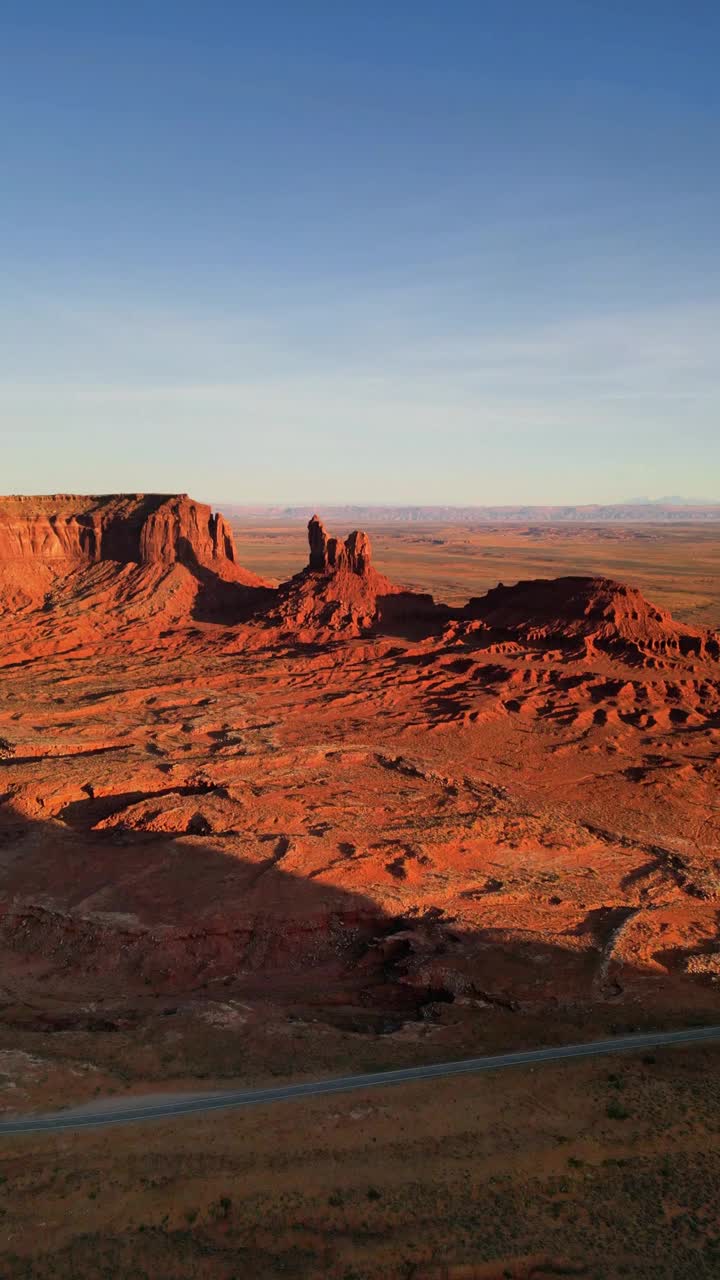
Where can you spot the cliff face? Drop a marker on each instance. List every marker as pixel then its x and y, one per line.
pixel 186 531
pixel 330 555
pixel 129 529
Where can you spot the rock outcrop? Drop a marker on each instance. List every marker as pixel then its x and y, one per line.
pixel 126 528
pixel 338 593
pixel 593 613
pixel 113 551
pixel 330 555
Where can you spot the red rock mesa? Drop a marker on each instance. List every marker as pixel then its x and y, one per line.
pixel 45 541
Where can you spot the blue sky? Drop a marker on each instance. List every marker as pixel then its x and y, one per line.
pixel 408 252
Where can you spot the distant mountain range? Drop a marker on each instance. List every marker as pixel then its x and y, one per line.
pixel 673 502
pixel 664 510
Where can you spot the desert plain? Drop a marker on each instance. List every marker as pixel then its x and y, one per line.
pixel 271 811
pixel 675 564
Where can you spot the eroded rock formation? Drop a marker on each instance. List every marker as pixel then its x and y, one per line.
pixel 592 612
pixel 218 792
pixel 127 528
pixel 330 555
pixel 145 555
pixel 340 592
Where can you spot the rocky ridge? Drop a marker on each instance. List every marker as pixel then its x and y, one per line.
pixel 587 613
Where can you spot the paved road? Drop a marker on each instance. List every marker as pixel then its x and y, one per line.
pixel 129 1110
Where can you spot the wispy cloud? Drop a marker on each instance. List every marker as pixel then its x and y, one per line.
pixel 582 407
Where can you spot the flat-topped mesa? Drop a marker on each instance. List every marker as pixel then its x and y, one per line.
pixel 330 555
pixel 155 554
pixel 139 529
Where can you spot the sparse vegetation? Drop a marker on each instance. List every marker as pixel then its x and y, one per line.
pixel 434 1176
pixel 616 1111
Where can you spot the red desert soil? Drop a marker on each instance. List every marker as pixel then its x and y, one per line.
pixel 336 794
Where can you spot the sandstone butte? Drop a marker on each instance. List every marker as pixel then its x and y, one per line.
pixel 337 795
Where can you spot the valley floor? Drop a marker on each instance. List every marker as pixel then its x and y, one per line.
pixel 598 1169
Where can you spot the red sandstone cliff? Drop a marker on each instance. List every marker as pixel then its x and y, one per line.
pixel 46 540
pixel 153 554
pixel 127 528
pixel 330 556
